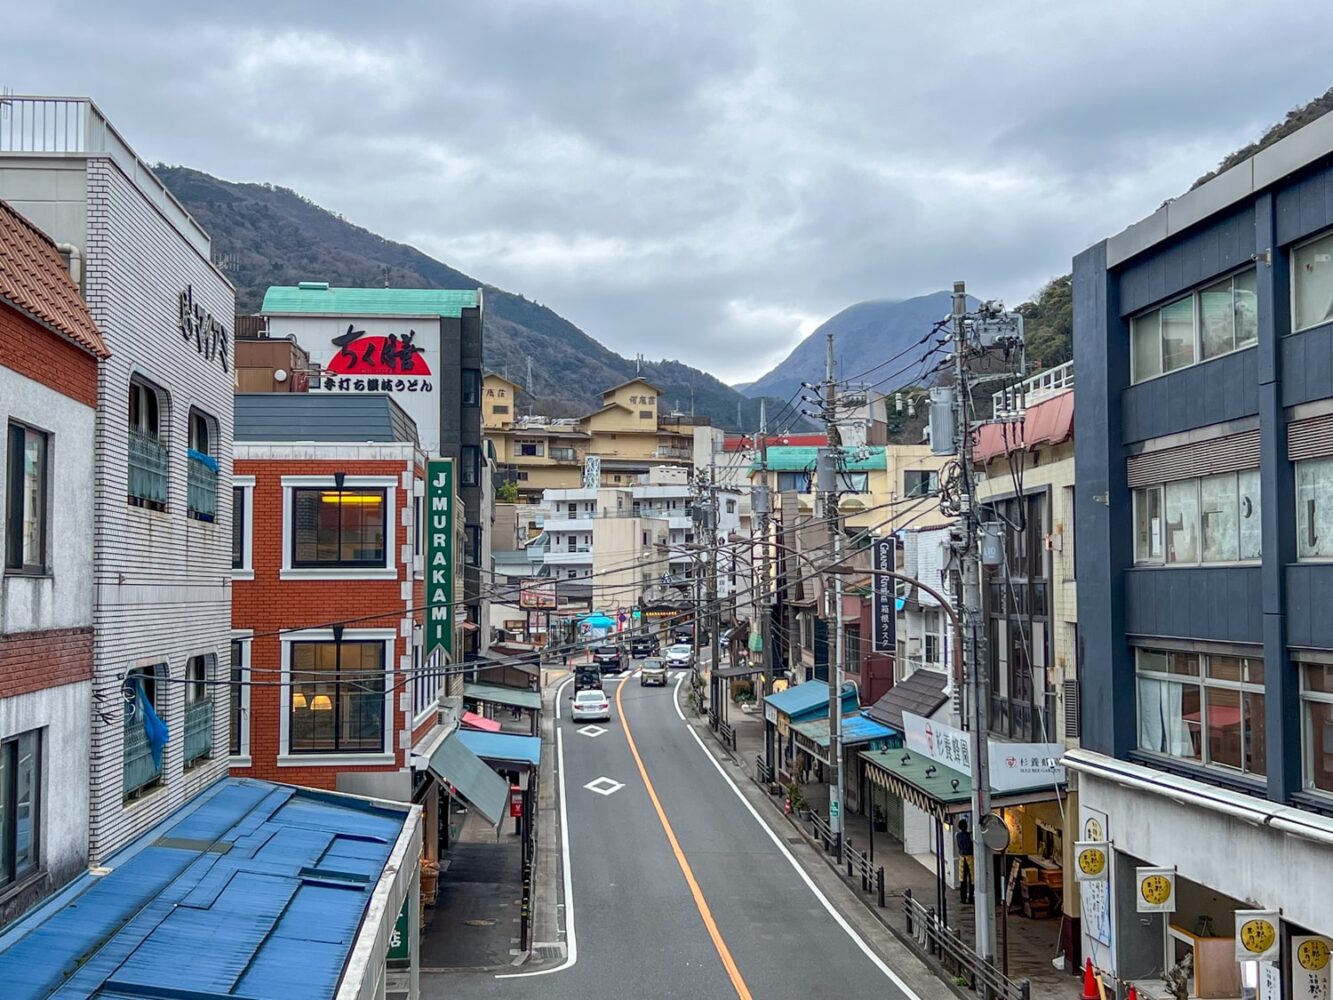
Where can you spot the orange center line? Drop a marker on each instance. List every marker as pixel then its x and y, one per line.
pixel 723 952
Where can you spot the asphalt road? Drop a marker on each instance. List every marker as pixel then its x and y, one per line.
pixel 716 908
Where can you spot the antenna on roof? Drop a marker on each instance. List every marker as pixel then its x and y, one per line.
pixel 638 364
pixel 386 275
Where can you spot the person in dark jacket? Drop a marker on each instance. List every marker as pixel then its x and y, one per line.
pixel 962 840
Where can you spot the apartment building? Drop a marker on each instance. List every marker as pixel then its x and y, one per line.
pixel 1203 343
pixel 49 354
pixel 422 348
pixel 162 486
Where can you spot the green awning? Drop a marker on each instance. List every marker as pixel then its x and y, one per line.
pixel 497 694
pixel 936 788
pixel 454 764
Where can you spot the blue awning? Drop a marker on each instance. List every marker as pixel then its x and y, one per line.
pixel 856 730
pixel 809 700
pixel 503 747
pixel 251 889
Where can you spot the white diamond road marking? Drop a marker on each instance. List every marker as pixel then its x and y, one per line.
pixel 593 731
pixel 604 786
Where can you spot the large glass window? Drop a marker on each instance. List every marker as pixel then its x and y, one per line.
pixel 238 527
pixel 202 494
pixel 1314 509
pixel 1191 521
pixel 1312 283
pixel 471 387
pixel 147 474
pixel 470 473
pixel 1203 707
pixel 1317 702
pixel 333 527
pixel 337 702
pixel 20 806
pixel 25 501
pixel 1206 324
pixel 920 482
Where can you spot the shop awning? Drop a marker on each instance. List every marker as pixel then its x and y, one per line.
pixel 814 736
pixel 498 695
pixel 250 889
pixel 936 788
pixel 455 764
pixel 747 671
pixel 474 721
pixel 503 748
pixel 808 700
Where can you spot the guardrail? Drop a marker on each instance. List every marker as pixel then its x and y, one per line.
pixel 727 733
pixel 763 773
pixel 925 928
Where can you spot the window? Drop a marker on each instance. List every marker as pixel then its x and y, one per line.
pixel 141 771
pixel 20 806
pixel 337 699
pixel 500 409
pixel 1203 325
pixel 203 467
pixel 1192 521
pixel 522 477
pixel 1207 708
pixel 333 527
pixel 1312 283
pixel 731 506
pixel 473 554
pixel 645 414
pixel 1317 725
pixel 531 449
pixel 238 527
pixel 25 501
pixel 563 454
pixel 199 672
pixel 147 484
pixel 931 637
pixel 239 744
pixel 1314 509
pixel 471 387
pixel 920 482
pixel 470 474
pixel 571 573
pixel 851 648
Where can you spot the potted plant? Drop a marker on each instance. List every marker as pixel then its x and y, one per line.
pixel 797 799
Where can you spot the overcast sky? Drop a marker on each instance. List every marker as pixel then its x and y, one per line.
pixel 702 181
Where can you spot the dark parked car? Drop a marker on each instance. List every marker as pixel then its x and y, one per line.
pixel 643 645
pixel 609 659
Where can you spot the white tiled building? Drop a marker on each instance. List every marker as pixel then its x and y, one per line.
pixel 161 596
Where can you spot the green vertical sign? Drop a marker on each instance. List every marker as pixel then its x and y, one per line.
pixel 440 557
pixel 400 946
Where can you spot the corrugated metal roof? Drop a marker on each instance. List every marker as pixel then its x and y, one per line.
pixel 503 746
pixel 794 459
pixel 498 694
pixel 454 763
pixel 252 890
pixel 348 418
pixel 320 300
pixel 855 729
pixel 807 698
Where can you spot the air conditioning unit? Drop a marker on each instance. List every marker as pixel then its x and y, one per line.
pixel 914 647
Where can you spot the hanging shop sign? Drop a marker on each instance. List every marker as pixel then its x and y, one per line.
pixel 1310 967
pixel 884 600
pixel 440 556
pixel 537 593
pixel 1256 936
pixel 1157 890
pixel 1091 860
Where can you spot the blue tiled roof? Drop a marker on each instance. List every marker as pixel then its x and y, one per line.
pixel 252 889
pixel 502 746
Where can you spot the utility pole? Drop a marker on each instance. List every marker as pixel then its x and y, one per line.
pixel 760 507
pixel 976 679
pixel 714 611
pixel 826 473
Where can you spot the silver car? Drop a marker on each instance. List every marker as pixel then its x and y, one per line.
pixel 654 671
pixel 680 655
pixel 591 705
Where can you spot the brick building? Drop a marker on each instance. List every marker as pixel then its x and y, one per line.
pixel 328 596
pixel 49 354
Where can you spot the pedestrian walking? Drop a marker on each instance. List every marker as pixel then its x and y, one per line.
pixel 962 840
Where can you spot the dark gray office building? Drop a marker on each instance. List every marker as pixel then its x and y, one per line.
pixel 1203 342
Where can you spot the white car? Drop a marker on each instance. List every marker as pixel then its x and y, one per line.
pixel 679 655
pixel 590 705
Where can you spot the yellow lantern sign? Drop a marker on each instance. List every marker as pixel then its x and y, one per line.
pixel 1312 953
pixel 1157 890
pixel 1256 935
pixel 1090 861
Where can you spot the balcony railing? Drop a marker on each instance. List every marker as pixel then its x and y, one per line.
pixel 1034 389
pixel 140 771
pixel 148 470
pixel 203 486
pixel 198 730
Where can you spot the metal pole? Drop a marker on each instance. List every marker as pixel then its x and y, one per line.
pixel 829 480
pixel 978 700
pixel 714 613
pixel 764 506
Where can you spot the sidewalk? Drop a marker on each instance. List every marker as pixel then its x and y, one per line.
pixel 1033 945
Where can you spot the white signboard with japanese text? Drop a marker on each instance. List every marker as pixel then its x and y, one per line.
pixel 1309 967
pixel 361 354
pixel 1257 936
pixel 1095 897
pixel 1013 766
pixel 939 741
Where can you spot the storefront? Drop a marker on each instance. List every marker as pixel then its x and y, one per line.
pixel 802 703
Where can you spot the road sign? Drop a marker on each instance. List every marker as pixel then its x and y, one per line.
pixel 833 810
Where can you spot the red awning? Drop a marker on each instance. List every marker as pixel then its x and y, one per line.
pixel 1049 422
pixel 474 721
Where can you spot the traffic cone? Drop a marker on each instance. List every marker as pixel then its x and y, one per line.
pixel 1089 982
pixel 1133 993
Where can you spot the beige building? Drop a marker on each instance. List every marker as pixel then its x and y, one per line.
pixel 628 435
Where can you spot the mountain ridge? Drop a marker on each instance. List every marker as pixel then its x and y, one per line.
pixel 264 234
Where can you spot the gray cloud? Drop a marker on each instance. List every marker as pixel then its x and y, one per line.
pixel 697 180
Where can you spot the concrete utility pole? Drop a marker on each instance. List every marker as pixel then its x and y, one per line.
pixel 826 473
pixel 976 679
pixel 760 507
pixel 714 611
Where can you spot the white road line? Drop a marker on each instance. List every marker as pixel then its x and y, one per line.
pixel 571 941
pixel 559 693
pixel 675 697
pixel 824 900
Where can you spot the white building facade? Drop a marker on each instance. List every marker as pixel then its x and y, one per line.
pixel 162 488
